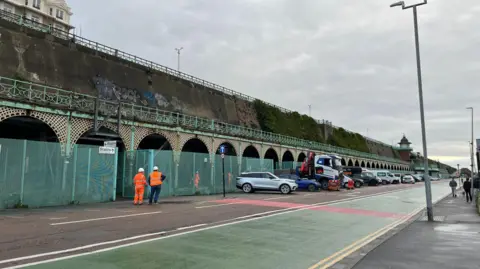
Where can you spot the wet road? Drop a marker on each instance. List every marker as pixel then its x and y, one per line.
pixel 212 230
pixel 453 241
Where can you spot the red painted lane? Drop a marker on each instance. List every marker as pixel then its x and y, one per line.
pixel 260 203
pixel 326 208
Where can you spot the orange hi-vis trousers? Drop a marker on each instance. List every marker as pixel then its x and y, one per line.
pixel 139 191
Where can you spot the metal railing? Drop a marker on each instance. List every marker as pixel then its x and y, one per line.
pixel 135 59
pixel 27 92
pixel 23 21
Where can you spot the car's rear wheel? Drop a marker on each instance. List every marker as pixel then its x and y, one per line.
pixel 324 184
pixel 247 188
pixel 384 182
pixel 357 184
pixel 285 189
pixel 311 187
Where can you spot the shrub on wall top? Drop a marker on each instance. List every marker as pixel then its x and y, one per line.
pixel 272 119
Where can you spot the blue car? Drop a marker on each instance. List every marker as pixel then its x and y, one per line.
pixel 303 183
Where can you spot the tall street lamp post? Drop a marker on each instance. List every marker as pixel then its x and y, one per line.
pixel 428 186
pixel 472 150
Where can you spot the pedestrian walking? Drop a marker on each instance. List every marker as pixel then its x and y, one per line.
pixel 453 184
pixel 155 180
pixel 139 183
pixel 467 187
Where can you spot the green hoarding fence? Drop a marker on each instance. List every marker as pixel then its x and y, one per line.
pixel 35 174
pixel 195 173
pixel 290 165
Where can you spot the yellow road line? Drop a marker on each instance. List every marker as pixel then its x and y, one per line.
pixel 341 257
pixel 353 248
pixel 361 242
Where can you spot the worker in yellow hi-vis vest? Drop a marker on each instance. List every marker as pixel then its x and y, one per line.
pixel 155 180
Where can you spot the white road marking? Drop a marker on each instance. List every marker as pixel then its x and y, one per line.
pixel 15 217
pixel 190 227
pixel 106 218
pixel 207 206
pixel 277 198
pixel 309 194
pixel 92 210
pixel 80 248
pixel 59 218
pixel 238 220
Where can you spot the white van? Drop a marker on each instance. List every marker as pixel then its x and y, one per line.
pixel 384 176
pixel 396 179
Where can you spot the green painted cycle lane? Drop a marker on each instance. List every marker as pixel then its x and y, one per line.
pixel 401 202
pixel 294 240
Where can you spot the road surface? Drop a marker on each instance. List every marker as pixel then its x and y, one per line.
pixel 260 230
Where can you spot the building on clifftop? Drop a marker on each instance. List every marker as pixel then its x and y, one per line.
pixel 55 13
pixel 404 149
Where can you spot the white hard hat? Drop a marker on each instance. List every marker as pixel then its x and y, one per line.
pixel 140 170
pixel 155 168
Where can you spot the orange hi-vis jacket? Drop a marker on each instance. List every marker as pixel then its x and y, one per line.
pixel 139 180
pixel 155 178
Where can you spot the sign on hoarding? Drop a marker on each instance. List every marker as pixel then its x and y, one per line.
pixel 110 144
pixel 106 150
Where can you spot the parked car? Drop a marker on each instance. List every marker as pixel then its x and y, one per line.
pixel 418 177
pixel 265 181
pixel 357 182
pixel 303 183
pixel 408 179
pixel 395 179
pixel 399 176
pixel 368 178
pixel 434 178
pixel 383 175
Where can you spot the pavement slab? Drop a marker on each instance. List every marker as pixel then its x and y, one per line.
pixel 451 243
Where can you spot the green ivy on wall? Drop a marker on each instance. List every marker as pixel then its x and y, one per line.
pixel 342 138
pixel 272 119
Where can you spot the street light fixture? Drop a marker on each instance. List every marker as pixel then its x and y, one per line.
pixel 428 185
pixel 399 3
pixel 178 58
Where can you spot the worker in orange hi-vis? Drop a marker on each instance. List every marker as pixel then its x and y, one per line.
pixel 197 180
pixel 155 180
pixel 139 183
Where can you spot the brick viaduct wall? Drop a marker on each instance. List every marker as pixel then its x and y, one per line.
pixel 38 57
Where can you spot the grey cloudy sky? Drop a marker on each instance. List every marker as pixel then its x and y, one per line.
pixel 353 61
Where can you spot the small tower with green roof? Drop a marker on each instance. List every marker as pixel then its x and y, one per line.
pixel 404 149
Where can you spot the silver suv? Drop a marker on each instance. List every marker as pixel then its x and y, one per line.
pixel 265 181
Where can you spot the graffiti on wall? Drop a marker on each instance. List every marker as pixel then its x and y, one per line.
pixel 110 91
